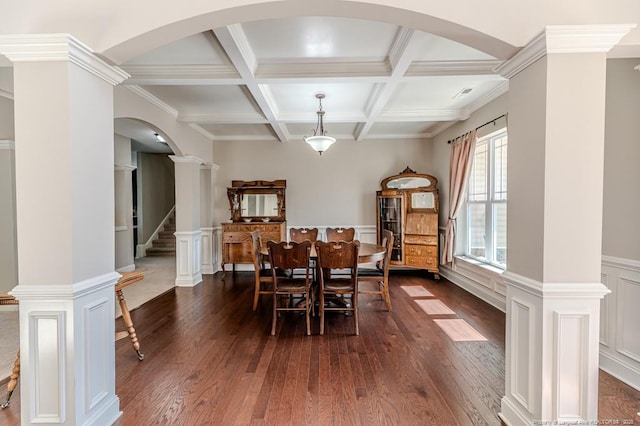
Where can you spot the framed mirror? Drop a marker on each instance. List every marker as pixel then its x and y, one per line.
pixel 420 189
pixel 409 179
pixel 257 201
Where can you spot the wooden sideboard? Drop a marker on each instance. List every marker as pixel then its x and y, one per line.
pixel 236 239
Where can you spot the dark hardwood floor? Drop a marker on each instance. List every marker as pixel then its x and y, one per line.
pixel 210 360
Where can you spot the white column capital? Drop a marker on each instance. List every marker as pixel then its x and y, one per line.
pixel 124 167
pixel 565 39
pixel 7 144
pixel 189 159
pixel 59 47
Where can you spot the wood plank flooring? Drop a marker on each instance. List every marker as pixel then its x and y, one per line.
pixel 210 360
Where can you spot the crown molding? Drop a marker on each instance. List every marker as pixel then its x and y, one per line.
pixel 323 69
pixel 187 159
pixel 59 47
pixel 399 136
pixel 423 115
pixel 445 68
pixel 124 167
pixel 153 100
pixel 182 74
pixel 242 138
pixel 565 39
pixel 7 144
pixel 223 118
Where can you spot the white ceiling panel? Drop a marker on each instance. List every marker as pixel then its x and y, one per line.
pixel 340 98
pixel 205 99
pixel 258 80
pixel 319 37
pixel 438 92
pixel 198 49
pixel 430 47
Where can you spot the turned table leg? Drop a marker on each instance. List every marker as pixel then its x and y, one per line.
pixel 129 324
pixel 13 380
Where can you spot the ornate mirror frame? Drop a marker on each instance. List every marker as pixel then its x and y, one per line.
pixel 240 188
pixel 414 194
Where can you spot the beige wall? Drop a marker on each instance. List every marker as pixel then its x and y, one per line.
pixel 621 227
pixel 337 188
pixel 156 188
pixel 8 249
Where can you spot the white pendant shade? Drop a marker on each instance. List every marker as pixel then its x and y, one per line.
pixel 320 143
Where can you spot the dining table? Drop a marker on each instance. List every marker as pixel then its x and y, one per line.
pixel 368 252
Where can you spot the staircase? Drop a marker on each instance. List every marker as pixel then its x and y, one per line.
pixel 165 244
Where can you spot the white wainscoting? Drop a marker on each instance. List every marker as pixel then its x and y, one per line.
pixel 364 233
pixel 619 319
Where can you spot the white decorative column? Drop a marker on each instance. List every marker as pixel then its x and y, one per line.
pixel 188 233
pixel 206 219
pixel 65 229
pixel 556 161
pixel 8 247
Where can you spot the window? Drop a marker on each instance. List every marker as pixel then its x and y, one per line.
pixel 487 201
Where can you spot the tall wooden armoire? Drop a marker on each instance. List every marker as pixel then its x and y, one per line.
pixel 407 205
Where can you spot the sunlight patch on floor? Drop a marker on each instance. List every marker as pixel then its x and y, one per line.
pixel 416 291
pixel 459 330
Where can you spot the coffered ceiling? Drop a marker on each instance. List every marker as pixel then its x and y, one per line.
pixel 258 81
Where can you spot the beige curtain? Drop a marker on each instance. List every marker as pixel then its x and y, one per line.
pixel 461 159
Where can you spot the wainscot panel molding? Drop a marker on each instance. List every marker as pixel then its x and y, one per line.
pixel 208 253
pixel 188 258
pixel 69 344
pixel 364 233
pixel 620 316
pixel 551 350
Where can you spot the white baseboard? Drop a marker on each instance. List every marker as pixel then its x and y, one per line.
pixel 128 268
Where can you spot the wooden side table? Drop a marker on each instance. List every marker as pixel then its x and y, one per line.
pixel 126 280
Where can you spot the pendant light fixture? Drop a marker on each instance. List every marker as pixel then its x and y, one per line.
pixel 320 141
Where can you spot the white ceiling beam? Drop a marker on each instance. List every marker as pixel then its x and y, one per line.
pixel 400 57
pixel 423 115
pixel 235 43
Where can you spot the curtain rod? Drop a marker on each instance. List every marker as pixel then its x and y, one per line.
pixel 482 125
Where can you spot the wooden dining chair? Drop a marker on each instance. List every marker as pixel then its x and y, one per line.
pixel 340 234
pixel 338 255
pixel 290 256
pixel 299 235
pixel 379 276
pixel 262 273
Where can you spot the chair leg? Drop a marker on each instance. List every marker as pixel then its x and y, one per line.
pixel 354 303
pixel 307 310
pixel 385 292
pixel 275 314
pixel 13 380
pixel 321 308
pixel 256 295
